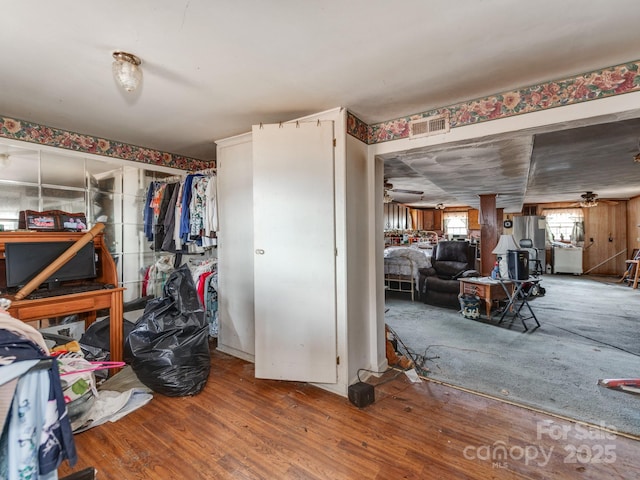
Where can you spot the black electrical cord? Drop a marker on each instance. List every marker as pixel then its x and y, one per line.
pixel 380 373
pixel 370 371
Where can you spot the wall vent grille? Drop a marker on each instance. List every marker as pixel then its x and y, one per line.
pixel 429 126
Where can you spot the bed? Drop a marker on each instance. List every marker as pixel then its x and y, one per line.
pixel 401 268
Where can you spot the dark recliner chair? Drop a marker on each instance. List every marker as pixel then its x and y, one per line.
pixel 450 261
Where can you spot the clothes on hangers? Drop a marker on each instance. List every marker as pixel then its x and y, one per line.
pixel 177 214
pixel 199 266
pixel 205 276
pixel 211 303
pixel 202 285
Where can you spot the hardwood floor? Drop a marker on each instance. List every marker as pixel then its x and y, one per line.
pixel 243 428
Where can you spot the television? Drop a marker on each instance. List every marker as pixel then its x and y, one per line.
pixel 25 260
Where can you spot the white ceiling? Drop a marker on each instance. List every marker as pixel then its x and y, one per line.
pixel 213 68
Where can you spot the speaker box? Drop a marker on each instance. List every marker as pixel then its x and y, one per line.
pixel 361 394
pixel 518 264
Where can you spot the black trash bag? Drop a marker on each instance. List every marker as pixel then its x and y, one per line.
pixel 98 336
pixel 168 348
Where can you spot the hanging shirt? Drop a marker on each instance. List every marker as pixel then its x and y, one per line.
pixel 148 212
pixel 169 244
pixel 211 303
pixel 211 214
pixel 177 240
pixel 159 226
pixel 185 227
pixel 197 207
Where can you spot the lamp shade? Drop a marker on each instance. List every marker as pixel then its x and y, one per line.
pixel 505 243
pixel 126 70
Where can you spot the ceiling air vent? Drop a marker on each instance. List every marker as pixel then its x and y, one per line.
pixel 429 126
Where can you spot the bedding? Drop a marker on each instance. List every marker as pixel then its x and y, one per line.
pixel 406 261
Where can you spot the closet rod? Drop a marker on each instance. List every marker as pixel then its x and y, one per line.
pixel 172 179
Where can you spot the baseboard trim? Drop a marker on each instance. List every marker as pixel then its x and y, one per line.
pixel 236 353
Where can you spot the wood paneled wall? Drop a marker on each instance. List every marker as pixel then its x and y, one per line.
pixel 633 224
pixel 607 226
pixel 602 223
pixel 613 229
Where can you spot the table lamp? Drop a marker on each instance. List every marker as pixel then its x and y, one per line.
pixel 505 243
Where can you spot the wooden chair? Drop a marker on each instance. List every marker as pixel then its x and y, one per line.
pixel 632 273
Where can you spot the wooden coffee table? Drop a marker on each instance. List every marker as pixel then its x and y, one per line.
pixel 485 288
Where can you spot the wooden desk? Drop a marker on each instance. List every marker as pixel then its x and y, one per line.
pixel 86 303
pixel 486 288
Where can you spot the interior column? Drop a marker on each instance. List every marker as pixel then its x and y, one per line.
pixel 488 219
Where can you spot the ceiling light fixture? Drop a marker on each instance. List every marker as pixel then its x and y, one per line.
pixel 126 70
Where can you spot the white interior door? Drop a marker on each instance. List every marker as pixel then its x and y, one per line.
pixel 294 252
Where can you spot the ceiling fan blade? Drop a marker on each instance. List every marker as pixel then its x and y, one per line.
pixel 409 192
pixel 589 196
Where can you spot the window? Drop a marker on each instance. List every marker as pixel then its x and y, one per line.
pixel 565 225
pixel 456 224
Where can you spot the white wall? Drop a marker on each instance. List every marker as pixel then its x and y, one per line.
pixel 235 247
pixel 360 340
pixel 366 335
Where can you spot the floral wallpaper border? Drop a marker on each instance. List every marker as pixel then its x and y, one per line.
pixel 616 80
pixel 54 137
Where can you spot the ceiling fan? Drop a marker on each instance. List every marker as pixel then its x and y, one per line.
pixel 389 190
pixel 590 199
